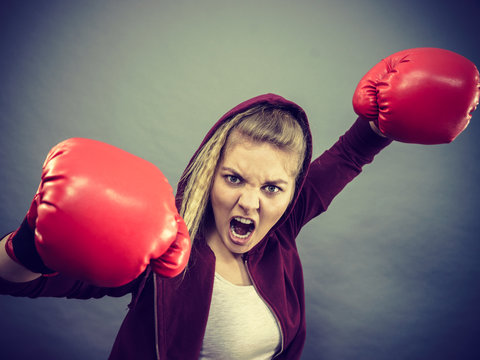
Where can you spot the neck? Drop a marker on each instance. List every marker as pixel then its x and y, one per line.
pixel 229 265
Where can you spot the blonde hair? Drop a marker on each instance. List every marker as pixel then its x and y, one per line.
pixel 261 123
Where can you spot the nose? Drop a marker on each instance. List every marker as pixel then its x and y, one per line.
pixel 249 201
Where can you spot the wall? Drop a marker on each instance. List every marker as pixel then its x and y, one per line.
pixel 391 269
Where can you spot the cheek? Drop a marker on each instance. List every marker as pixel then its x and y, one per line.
pixel 275 211
pixel 279 213
pixel 215 201
pixel 219 198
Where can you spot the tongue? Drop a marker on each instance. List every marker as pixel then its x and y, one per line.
pixel 240 228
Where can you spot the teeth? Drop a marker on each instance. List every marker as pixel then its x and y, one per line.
pixel 244 221
pixel 240 236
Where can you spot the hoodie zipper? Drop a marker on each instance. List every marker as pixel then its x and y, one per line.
pixel 155 310
pixel 267 304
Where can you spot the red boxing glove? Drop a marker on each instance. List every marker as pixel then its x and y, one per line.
pixel 422 95
pixel 101 215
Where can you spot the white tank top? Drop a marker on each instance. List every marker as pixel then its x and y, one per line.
pixel 240 325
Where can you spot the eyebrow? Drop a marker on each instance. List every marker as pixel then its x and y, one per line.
pixel 236 173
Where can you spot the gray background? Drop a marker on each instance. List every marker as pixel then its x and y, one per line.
pixel 391 269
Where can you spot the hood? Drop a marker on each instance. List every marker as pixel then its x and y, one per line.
pixel 270 99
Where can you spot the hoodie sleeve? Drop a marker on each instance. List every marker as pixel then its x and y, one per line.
pixel 63 286
pixel 335 168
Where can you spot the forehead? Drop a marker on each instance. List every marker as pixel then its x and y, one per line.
pixel 258 158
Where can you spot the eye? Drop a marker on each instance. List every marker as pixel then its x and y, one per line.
pixel 232 179
pixel 272 189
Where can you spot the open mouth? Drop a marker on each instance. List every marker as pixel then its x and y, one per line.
pixel 241 228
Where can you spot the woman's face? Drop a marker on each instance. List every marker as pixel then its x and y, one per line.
pixel 253 186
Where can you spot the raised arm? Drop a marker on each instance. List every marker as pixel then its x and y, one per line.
pixel 423 96
pixel 336 167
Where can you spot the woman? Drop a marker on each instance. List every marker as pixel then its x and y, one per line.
pixel 245 195
pixel 263 191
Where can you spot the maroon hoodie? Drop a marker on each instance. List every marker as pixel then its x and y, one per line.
pixel 168 317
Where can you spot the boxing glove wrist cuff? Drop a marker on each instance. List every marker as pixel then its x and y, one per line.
pixel 9 248
pixel 21 248
pixel 375 129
